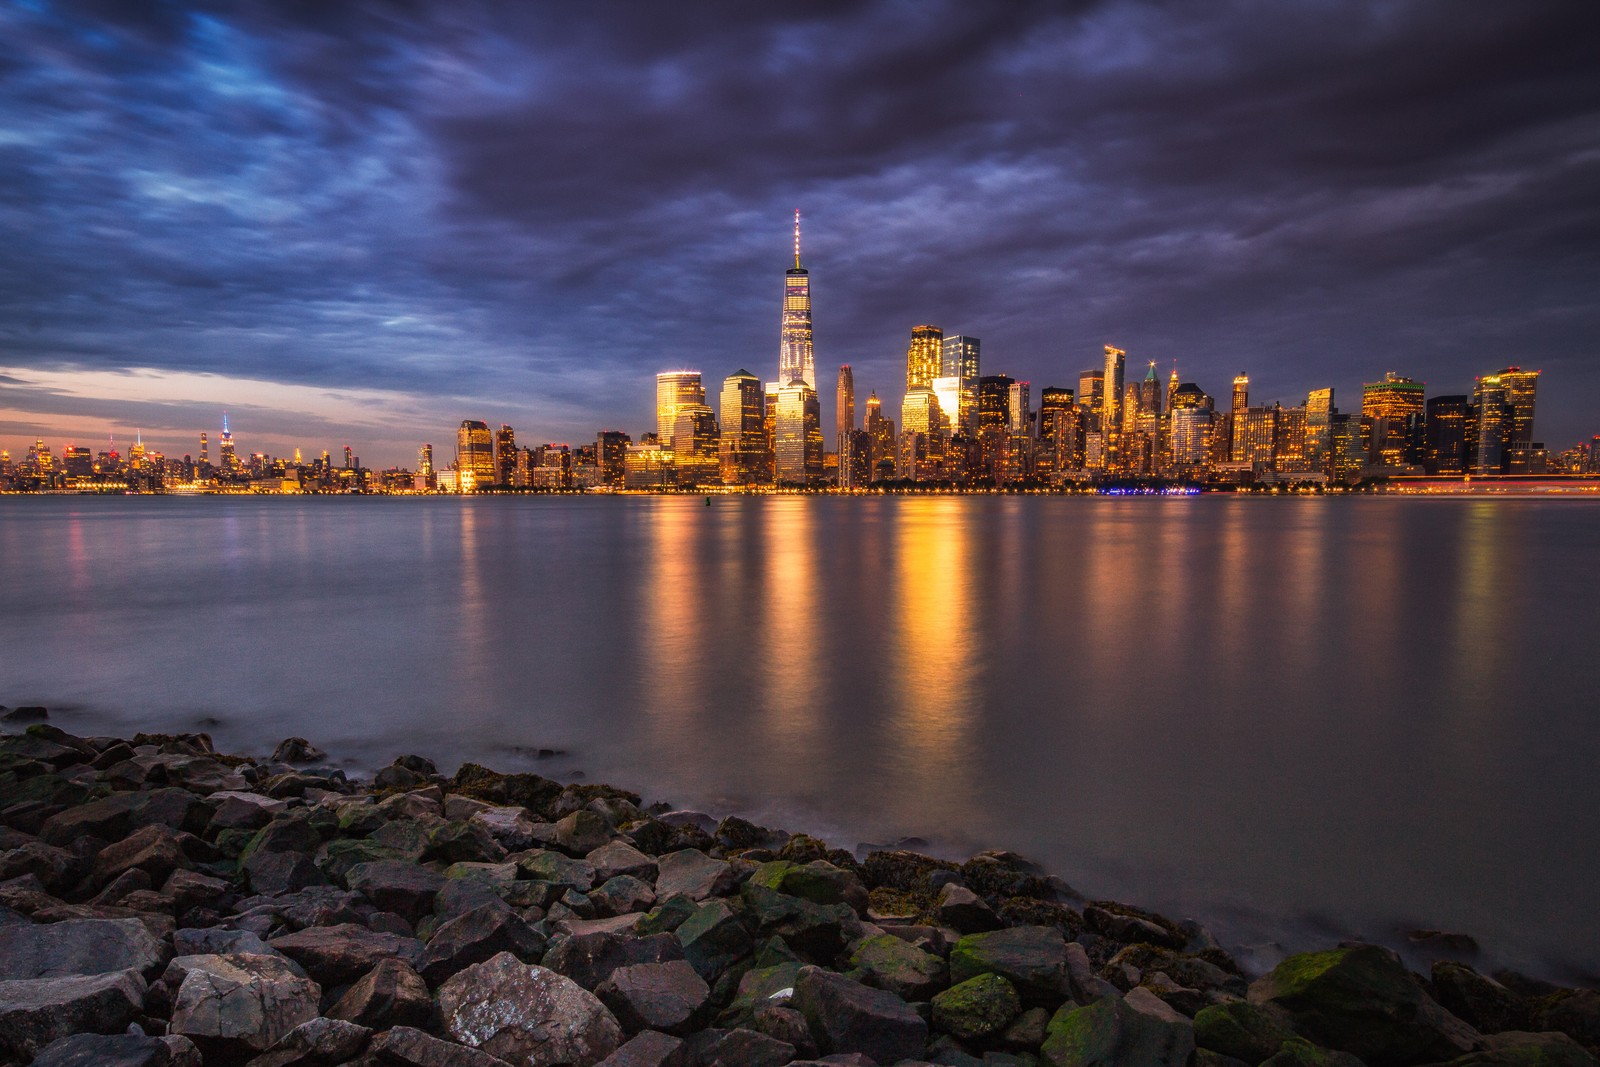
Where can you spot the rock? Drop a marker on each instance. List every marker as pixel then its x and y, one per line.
pixel 694 875
pixel 817 931
pixel 1245 1031
pixel 239 1001
pixel 1027 1031
pixel 846 1016
pixel 190 889
pixel 668 915
pixel 297 750
pixel 480 934
pixel 734 833
pixel 1121 925
pixel 655 996
pixel 887 962
pixel 389 995
pixel 35 1012
pixel 54 867
pixel 649 1049
pixel 1298 1052
pixel 556 869
pixel 739 1048
pixel 1031 958
pixel 210 941
pixel 908 872
pixel 243 811
pixel 1520 1049
pixel 964 911
pixel 1360 999
pixel 582 832
pixel 818 881
pixel 616 858
pixel 406 1046
pixel 31 713
pixel 281 872
pixel 512 827
pixel 527 1015
pixel 77 947
pixel 589 959
pixel 105 1050
pixel 156 849
pixel 524 790
pixel 289 831
pixel 713 939
pixel 462 842
pixel 316 1041
pixel 760 985
pixel 1476 999
pixel 1575 1013
pixel 335 955
pixel 977 1008
pixel 1112 1033
pixel 622 895
pixel 403 888
pixel 783 1023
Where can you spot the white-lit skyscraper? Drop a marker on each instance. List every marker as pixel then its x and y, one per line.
pixel 795 359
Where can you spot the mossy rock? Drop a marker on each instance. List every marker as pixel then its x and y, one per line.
pixel 1521 1049
pixel 977 1008
pixel 1109 1033
pixel 886 900
pixel 1031 958
pixel 1245 1031
pixel 337 857
pixel 906 871
pixel 529 790
pixel 892 963
pixel 1298 1052
pixel 1032 911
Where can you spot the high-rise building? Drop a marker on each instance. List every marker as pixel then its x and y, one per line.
pixel 205 452
pixel 1391 420
pixel 844 416
pixel 1111 407
pixel 924 356
pixel 474 455
pixel 1191 435
pixel 505 454
pixel 1058 425
pixel 1447 435
pixel 744 456
pixel 675 388
pixel 1520 386
pixel 798 430
pixel 1241 392
pixel 769 428
pixel 1490 423
pixel 1290 453
pixel 225 449
pixel 1091 395
pixel 1150 392
pixel 611 455
pixel 1019 408
pixel 881 462
pixel 795 358
pixel 425 460
pixel 948 391
pixel 959 358
pixel 994 402
pixel 1319 427
pixel 855 460
pixel 1255 437
pixel 695 445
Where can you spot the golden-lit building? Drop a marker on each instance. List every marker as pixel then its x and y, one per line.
pixel 474 455
pixel 923 357
pixel 1391 420
pixel 1111 407
pixel 675 388
pixel 611 456
pixel 959 357
pixel 796 360
pixel 844 410
pixel 797 431
pixel 694 445
pixel 743 449
pixel 1520 387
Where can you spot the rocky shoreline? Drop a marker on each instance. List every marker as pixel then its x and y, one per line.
pixel 163 903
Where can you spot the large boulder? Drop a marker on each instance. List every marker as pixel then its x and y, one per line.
pixel 34 1012
pixel 239 1002
pixel 527 1014
pixel 478 935
pixel 1476 998
pixel 817 931
pixel 620 858
pixel 335 955
pixel 1031 958
pixel 846 1016
pixel 895 964
pixel 1114 1033
pixel 389 995
pixel 403 888
pixel 714 939
pixel 79 946
pixel 581 833
pixel 406 1046
pixel 655 996
pixel 589 959
pixel 563 872
pixel 114 817
pixel 964 911
pixel 115 1050
pixel 318 1041
pixel 1361 999
pixel 1521 1049
pixel 739 1048
pixel 1575 1013
pixel 1245 1031
pixel 693 874
pixel 649 1049
pixel 976 1009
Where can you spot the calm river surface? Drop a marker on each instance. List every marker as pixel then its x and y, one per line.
pixel 1294 719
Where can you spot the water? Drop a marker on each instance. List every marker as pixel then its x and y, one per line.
pixel 1294 719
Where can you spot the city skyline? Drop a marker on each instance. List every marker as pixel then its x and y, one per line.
pixel 336 226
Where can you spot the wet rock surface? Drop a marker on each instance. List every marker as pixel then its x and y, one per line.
pixel 273 912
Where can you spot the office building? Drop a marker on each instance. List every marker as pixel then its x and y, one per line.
pixel 611 456
pixel 881 431
pixel 795 358
pixel 844 415
pixel 674 389
pixel 1319 429
pixel 924 356
pixel 1520 387
pixel 1446 432
pixel 1111 407
pixel 505 454
pixel 959 357
pixel 1490 422
pixel 798 432
pixel 694 445
pixel 1391 421
pixel 744 456
pixel 474 456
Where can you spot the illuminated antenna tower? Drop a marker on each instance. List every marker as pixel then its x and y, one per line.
pixel 797 238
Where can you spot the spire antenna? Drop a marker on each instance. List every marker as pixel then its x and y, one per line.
pixel 796 238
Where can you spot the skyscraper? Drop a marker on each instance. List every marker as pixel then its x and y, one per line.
pixel 505 454
pixel 425 460
pixel 1319 430
pixel 1241 393
pixel 1391 420
pixel 744 443
pixel 225 450
pixel 959 358
pixel 1111 407
pixel 881 461
pixel 675 388
pixel 844 417
pixel 798 433
pixel 1447 435
pixel 205 452
pixel 474 455
pixel 923 357
pixel 1490 423
pixel 1520 386
pixel 1019 408
pixel 795 359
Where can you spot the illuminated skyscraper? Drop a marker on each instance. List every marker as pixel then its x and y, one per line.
pixel 959 358
pixel 1520 386
pixel 505 454
pixel 425 460
pixel 1319 429
pixel 229 459
pixel 798 432
pixel 474 455
pixel 1447 435
pixel 795 360
pixel 1241 393
pixel 844 417
pixel 744 444
pixel 1019 408
pixel 694 445
pixel 1111 407
pixel 673 389
pixel 1489 427
pixel 1058 424
pixel 205 452
pixel 611 455
pixel 948 391
pixel 1391 421
pixel 881 460
pixel 923 357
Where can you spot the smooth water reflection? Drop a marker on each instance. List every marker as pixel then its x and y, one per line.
pixel 1282 715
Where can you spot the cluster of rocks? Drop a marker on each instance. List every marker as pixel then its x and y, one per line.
pixel 161 903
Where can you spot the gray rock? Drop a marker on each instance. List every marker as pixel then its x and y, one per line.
pixel 1031 958
pixel 527 1015
pixel 891 963
pixel 1114 1033
pixel 273 873
pixel 622 895
pixel 35 1012
pixel 589 959
pixel 846 1016
pixel 389 995
pixel 239 1001
pixel 317 1041
pixel 213 941
pixel 556 869
pixel 783 1023
pixel 297 750
pixel 79 946
pixel 1476 998
pixel 156 849
pixel 620 858
pixel 105 1050
pixel 334 955
pixel 243 810
pixel 976 1009
pixel 54 867
pixel 649 1049
pixel 513 827
pixel 482 933
pixel 714 939
pixel 1575 1013
pixel 964 911
pixel 739 1048
pixel 410 1047
pixel 403 888
pixel 655 996
pixel 695 875
pixel 582 832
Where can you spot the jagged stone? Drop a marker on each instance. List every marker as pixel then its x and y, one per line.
pixel 403 888
pixel 527 1014
pixel 476 936
pixel 589 959
pixel 738 1048
pixel 297 750
pixel 335 955
pixel 1245 1031
pixel 106 1050
pixel 891 963
pixel 239 1001
pixel 1031 958
pixel 713 939
pixel 389 995
pixel 407 1046
pixel 846 1016
pixel 318 1041
pixel 964 911
pixel 1113 1033
pixel 649 1049
pixel 77 947
pixel 977 1008
pixel 616 858
pixel 655 996
pixel 35 1012
pixel 694 875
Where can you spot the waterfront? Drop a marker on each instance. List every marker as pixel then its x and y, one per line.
pixel 1292 718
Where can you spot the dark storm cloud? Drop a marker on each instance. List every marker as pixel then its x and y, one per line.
pixel 521 212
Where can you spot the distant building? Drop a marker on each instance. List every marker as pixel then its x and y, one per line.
pixel 611 456
pixel 798 431
pixel 959 358
pixel 1391 421
pixel 505 454
pixel 844 415
pixel 474 456
pixel 923 357
pixel 675 389
pixel 744 455
pixel 796 361
pixel 1446 430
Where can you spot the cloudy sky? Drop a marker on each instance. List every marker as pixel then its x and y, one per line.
pixel 361 223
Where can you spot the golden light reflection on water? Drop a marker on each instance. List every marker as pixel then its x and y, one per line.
pixel 935 649
pixel 791 627
pixel 674 606
pixel 475 657
pixel 1480 617
pixel 1300 578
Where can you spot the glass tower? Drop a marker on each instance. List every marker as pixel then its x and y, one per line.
pixel 795 360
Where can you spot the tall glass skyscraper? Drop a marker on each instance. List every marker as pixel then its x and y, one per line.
pixel 675 389
pixel 923 357
pixel 795 360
